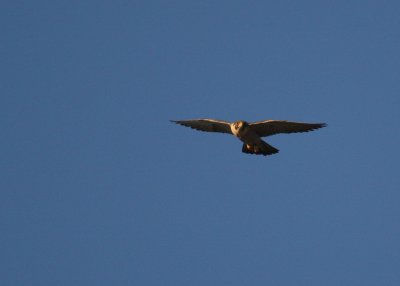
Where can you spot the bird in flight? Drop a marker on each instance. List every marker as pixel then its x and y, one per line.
pixel 250 133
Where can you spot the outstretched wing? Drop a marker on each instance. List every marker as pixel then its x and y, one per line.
pixel 209 125
pixel 271 127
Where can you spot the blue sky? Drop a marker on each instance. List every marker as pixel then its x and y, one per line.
pixel 99 188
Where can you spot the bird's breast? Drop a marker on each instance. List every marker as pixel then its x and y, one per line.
pixel 242 132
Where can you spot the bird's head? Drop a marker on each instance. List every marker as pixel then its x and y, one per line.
pixel 240 124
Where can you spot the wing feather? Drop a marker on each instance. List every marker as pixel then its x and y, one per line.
pixel 271 127
pixel 208 125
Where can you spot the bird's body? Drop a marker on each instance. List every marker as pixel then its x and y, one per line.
pixel 250 133
pixel 252 142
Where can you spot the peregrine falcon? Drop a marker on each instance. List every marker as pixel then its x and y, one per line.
pixel 250 133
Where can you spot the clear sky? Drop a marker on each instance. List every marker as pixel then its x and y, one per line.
pixel 97 187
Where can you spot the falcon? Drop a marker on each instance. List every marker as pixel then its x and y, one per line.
pixel 250 133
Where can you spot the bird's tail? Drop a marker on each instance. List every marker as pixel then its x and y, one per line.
pixel 260 149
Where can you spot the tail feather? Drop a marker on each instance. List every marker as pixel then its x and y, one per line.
pixel 259 149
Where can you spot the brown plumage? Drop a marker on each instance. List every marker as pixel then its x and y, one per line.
pixel 250 133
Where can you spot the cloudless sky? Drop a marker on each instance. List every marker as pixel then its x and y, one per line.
pixel 97 187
